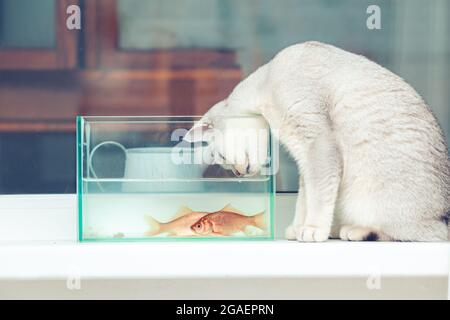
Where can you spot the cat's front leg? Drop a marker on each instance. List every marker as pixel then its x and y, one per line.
pixel 320 166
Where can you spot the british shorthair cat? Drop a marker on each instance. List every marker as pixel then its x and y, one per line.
pixel 373 160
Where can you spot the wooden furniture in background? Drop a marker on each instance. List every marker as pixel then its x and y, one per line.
pixel 103 51
pixel 62 57
pixel 45 92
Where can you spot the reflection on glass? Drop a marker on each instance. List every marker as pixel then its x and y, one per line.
pixel 256 29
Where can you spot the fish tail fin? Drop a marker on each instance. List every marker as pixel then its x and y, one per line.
pixel 260 220
pixel 154 226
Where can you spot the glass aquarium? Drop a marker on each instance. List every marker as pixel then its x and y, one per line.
pixel 139 179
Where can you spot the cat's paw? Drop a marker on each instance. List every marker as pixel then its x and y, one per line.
pixel 312 234
pixel 290 233
pixel 356 233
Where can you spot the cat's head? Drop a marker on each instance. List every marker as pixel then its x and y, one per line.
pixel 236 142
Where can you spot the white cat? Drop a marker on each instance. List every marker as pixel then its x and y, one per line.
pixel 373 160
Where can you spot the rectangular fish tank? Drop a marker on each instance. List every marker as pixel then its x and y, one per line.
pixel 141 179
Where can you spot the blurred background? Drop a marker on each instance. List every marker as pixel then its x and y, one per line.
pixel 179 57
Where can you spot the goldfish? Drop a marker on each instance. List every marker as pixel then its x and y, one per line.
pixel 228 222
pixel 180 226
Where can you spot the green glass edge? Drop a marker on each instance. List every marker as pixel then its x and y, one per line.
pixel 79 176
pixel 180 239
pixel 271 181
pixel 272 207
pixel 272 190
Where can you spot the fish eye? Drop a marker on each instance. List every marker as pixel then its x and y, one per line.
pixel 198 226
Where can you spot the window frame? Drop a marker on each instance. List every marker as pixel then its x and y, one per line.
pixel 62 57
pixel 103 51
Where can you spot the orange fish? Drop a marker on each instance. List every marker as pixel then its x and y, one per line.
pixel 180 226
pixel 227 222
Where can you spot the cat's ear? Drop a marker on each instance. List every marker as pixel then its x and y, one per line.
pixel 200 132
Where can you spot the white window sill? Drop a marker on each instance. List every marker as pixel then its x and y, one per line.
pixel 163 260
pixel 37 241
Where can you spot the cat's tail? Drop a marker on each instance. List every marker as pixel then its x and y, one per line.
pixel 154 226
pixel 446 219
